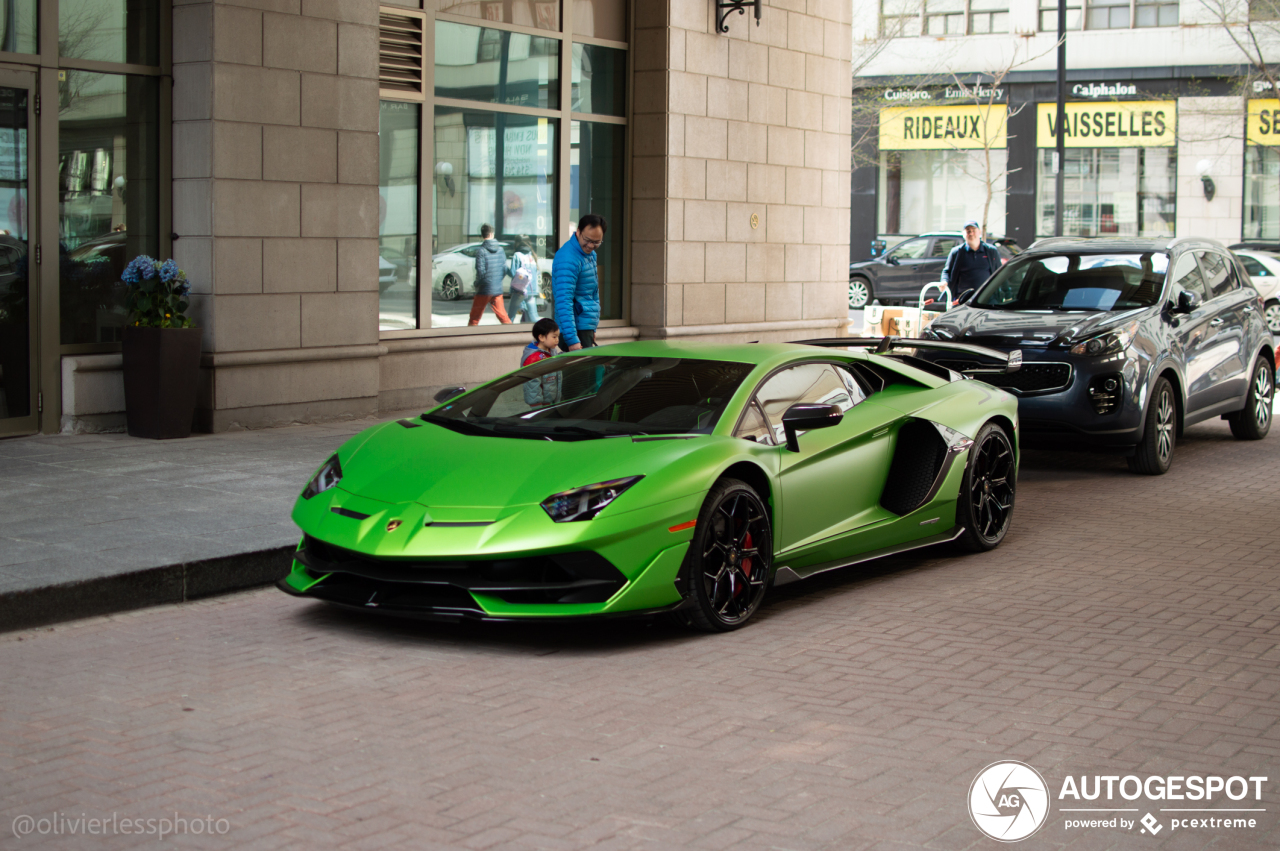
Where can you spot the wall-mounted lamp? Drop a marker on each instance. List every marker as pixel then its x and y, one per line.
pixel 444 171
pixel 725 7
pixel 1206 182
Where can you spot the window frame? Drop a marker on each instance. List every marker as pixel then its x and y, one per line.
pixel 564 115
pixel 1085 6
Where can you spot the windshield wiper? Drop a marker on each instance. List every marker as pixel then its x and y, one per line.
pixel 460 426
pixel 590 432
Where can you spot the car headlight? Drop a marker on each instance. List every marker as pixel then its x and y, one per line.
pixel 1116 340
pixel 585 502
pixel 327 477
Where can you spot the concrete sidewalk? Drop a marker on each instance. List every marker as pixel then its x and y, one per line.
pixel 91 524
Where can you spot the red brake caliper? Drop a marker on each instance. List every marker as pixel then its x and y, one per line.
pixel 746 562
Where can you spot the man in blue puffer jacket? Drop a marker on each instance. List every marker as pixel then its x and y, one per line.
pixel 575 285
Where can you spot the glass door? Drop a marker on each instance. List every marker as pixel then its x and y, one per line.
pixel 18 408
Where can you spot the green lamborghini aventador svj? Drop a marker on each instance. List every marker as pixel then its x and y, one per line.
pixel 657 477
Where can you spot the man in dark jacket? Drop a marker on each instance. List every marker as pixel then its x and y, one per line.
pixel 970 264
pixel 491 268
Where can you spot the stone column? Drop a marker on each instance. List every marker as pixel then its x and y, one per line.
pixel 741 170
pixel 275 199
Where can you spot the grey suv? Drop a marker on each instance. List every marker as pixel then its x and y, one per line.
pixel 1125 342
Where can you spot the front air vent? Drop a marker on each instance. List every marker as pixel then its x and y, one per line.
pixel 400 52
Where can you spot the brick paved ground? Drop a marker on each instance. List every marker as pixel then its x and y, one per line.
pixel 1127 625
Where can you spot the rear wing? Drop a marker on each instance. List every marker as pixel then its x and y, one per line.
pixel 1012 361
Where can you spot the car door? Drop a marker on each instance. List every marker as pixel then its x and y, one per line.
pixel 1227 361
pixel 833 484
pixel 897 277
pixel 1192 331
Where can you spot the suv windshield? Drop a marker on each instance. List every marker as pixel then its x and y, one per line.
pixel 594 396
pixel 1076 282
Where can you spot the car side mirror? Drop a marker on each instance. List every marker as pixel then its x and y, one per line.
pixel 965 296
pixel 449 392
pixel 891 260
pixel 1187 302
pixel 804 417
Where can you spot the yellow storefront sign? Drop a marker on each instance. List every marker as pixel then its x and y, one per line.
pixel 1110 124
pixel 933 128
pixel 1264 122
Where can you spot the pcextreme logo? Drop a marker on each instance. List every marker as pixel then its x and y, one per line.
pixel 1009 801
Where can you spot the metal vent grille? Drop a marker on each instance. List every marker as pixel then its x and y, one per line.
pixel 400 55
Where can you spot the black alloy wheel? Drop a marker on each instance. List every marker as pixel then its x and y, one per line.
pixel 859 292
pixel 544 285
pixel 729 564
pixel 1254 421
pixel 451 287
pixel 985 506
pixel 1154 453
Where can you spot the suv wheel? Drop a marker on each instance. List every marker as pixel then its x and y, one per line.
pixel 1154 453
pixel 1254 421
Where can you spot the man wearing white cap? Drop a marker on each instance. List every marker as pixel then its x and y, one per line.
pixel 970 264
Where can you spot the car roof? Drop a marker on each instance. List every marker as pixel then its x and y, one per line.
pixel 767 354
pixel 1058 244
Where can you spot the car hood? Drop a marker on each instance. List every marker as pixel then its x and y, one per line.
pixel 1004 328
pixel 862 264
pixel 461 477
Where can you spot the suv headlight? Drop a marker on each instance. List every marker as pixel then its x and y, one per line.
pixel 1115 340
pixel 325 478
pixel 585 502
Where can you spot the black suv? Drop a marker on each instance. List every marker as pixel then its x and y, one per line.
pixel 1125 342
pixel 898 275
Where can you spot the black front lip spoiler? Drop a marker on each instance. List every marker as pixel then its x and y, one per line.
pixel 443 615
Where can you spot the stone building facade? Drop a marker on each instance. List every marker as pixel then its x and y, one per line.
pixel 729 173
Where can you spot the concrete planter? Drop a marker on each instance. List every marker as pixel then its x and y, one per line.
pixel 161 367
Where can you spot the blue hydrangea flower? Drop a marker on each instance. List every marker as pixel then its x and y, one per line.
pixel 148 268
pixel 168 271
pixel 130 273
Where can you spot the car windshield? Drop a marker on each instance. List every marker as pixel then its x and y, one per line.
pixel 1084 282
pixel 596 396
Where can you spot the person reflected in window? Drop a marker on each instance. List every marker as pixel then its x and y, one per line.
pixel 491 269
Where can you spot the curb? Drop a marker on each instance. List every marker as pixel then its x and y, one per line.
pixel 154 586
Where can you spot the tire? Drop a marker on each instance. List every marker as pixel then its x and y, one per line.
pixel 860 293
pixel 1254 421
pixel 987 491
pixel 1154 453
pixel 451 287
pixel 1271 315
pixel 730 561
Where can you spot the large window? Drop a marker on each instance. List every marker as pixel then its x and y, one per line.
pixel 108 195
pixel 1261 192
pixel 18 26
pixel 523 129
pixel 504 175
pixel 1110 192
pixel 1110 14
pixel 399 156
pixel 943 17
pixel 922 191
